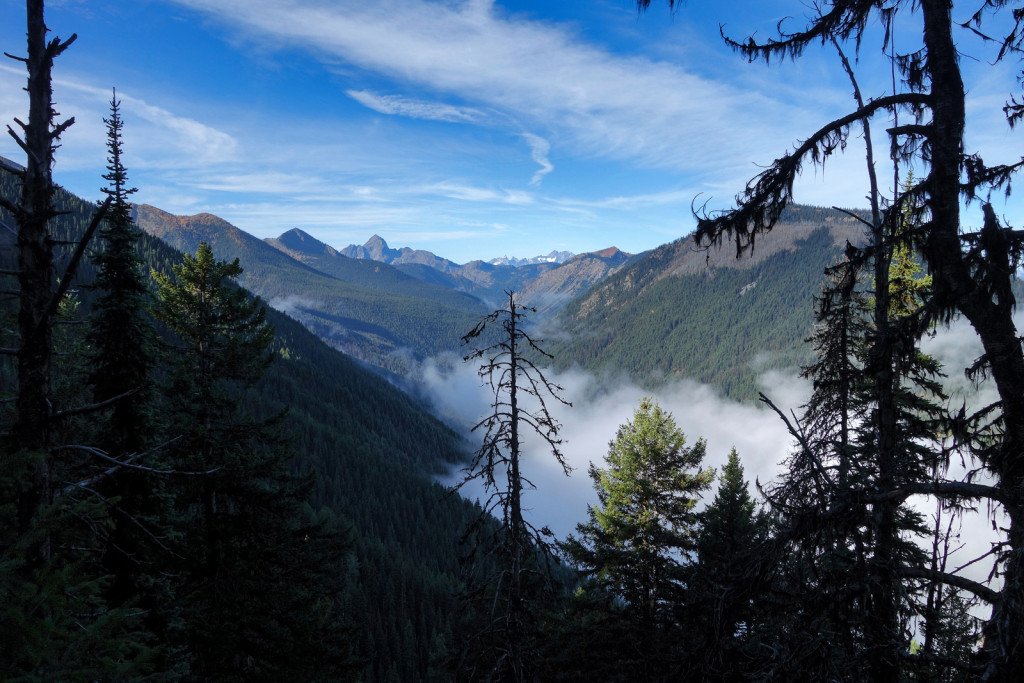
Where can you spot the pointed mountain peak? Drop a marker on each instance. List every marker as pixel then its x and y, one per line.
pixel 378 250
pixel 376 242
pixel 299 234
pixel 300 241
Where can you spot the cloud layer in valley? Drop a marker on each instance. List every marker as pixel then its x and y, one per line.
pixel 454 391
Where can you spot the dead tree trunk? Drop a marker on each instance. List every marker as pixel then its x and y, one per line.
pixel 38 139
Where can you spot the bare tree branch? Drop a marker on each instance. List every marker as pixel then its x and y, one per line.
pixel 93 406
pixel 72 268
pixel 121 463
pixel 765 197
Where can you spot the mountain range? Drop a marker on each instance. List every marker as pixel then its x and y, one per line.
pixel 680 310
pixel 368 310
pixel 542 281
pixel 553 257
pixel 387 307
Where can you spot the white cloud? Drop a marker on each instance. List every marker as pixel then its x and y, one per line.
pixel 760 437
pixel 538 73
pixel 539 149
pixel 292 304
pixel 474 194
pixel 268 182
pixel 454 390
pixel 629 202
pixel 417 109
pixel 154 136
pixel 200 143
pixel 429 236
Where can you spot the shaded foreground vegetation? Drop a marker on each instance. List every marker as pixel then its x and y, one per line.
pixel 206 495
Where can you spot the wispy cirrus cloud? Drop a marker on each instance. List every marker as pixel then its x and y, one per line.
pixel 536 73
pixel 476 194
pixel 417 109
pixel 628 202
pixel 539 149
pixel 158 137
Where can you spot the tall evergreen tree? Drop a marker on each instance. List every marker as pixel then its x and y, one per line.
pixel 56 621
pixel 260 598
pixel 121 357
pixel 120 332
pixel 842 510
pixel 973 272
pixel 826 472
pixel 722 598
pixel 640 537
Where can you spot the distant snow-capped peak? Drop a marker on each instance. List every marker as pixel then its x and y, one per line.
pixel 553 257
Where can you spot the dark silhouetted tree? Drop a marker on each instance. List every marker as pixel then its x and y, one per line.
pixel 56 621
pixel 120 332
pixel 722 610
pixel 260 595
pixel 503 647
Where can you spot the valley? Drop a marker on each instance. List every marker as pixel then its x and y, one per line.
pixel 675 312
pixel 697 328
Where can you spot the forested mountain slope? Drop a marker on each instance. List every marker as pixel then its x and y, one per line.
pixel 553 289
pixel 370 321
pixel 682 311
pixel 373 450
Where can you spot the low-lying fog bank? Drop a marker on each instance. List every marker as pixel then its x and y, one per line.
pixel 456 393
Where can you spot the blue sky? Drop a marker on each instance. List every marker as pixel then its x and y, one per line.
pixel 472 128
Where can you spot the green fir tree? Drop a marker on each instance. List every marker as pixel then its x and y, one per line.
pixel 639 539
pixel 722 610
pixel 120 330
pixel 263 580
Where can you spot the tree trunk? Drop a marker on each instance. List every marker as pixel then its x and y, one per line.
pixel 35 277
pixel 517 530
pixel 984 302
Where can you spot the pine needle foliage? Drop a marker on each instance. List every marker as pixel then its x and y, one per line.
pixel 639 540
pixel 120 332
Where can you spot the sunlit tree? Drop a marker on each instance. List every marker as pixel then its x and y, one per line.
pixel 641 536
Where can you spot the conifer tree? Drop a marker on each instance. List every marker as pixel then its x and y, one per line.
pixel 262 585
pixel 826 470
pixel 56 622
pixel 837 492
pixel 120 332
pixel 121 357
pixel 722 599
pixel 640 537
pixel 973 273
